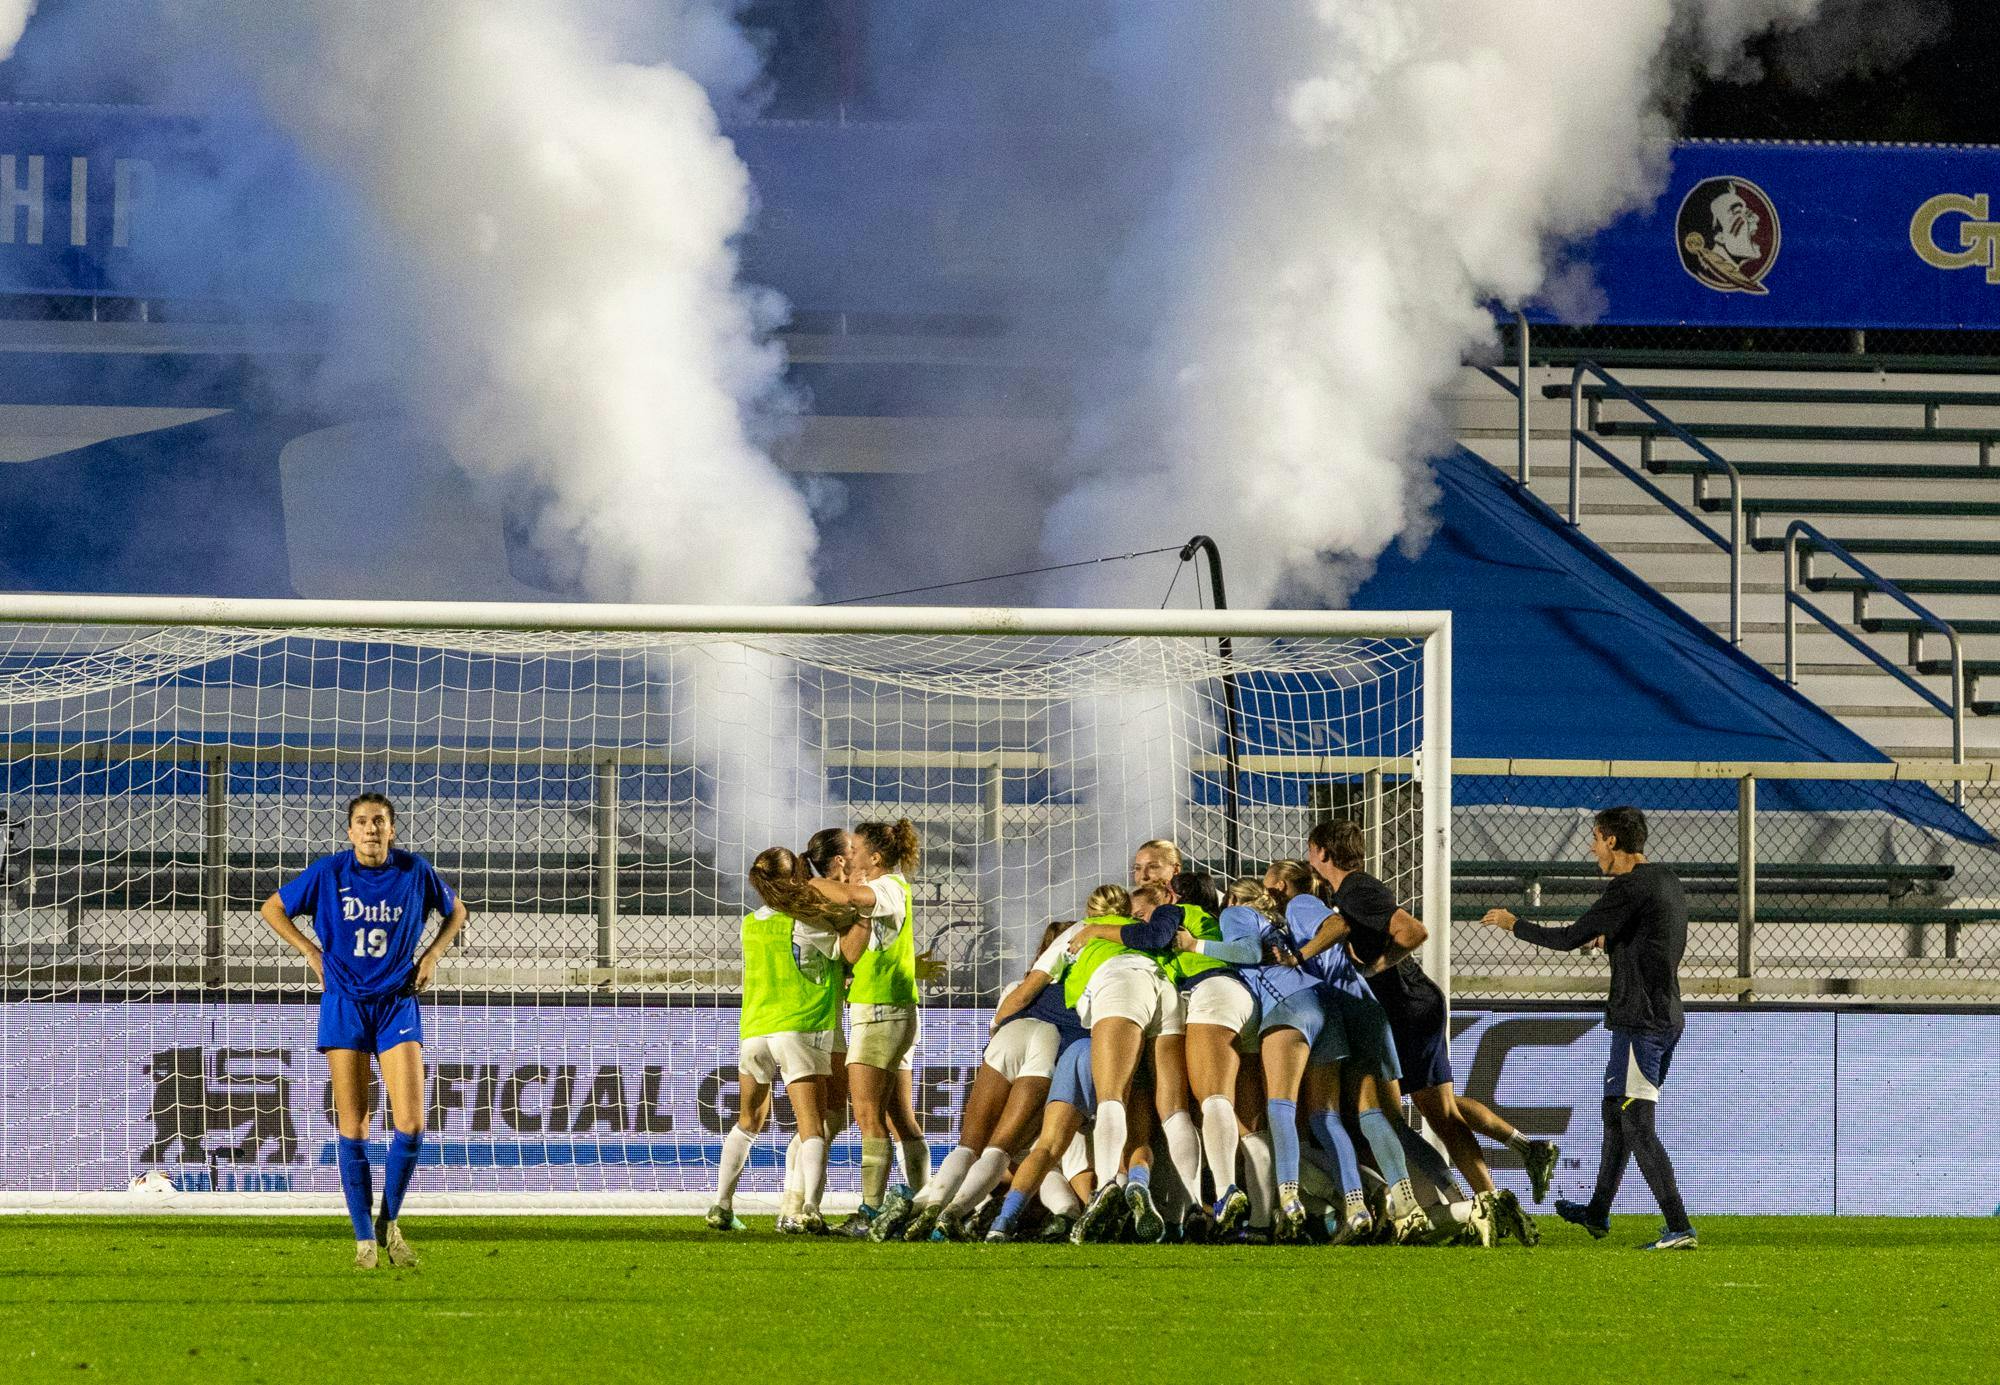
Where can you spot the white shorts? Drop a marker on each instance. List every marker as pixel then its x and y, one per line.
pixel 1076 1159
pixel 1023 1048
pixel 1144 997
pixel 1223 1001
pixel 796 1056
pixel 883 1036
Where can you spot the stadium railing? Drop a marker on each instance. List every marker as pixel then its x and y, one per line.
pixel 1785 901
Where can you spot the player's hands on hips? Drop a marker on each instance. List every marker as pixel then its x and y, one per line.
pixel 427 970
pixel 929 968
pixel 1499 918
pixel 318 967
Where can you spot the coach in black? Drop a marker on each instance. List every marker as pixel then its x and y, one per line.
pixel 1642 920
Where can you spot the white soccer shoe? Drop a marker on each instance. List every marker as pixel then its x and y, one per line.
pixel 390 1235
pixel 364 1255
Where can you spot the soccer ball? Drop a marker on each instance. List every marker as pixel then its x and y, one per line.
pixel 154 1183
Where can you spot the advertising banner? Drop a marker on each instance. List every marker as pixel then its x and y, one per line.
pixel 1809 235
pixel 1764 1112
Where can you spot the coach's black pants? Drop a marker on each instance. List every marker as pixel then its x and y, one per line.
pixel 1629 1133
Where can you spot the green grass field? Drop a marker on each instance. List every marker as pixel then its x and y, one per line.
pixel 612 1299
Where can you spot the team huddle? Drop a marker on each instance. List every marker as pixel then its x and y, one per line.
pixel 1251 1045
pixel 1182 1063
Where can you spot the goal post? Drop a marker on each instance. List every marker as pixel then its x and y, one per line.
pixel 595 780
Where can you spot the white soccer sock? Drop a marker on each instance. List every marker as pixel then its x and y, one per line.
pixel 1260 1165
pixel 735 1154
pixel 950 1174
pixel 1458 1213
pixel 789 1202
pixel 916 1157
pixel 986 1174
pixel 1058 1196
pixel 1219 1140
pixel 1107 1142
pixel 1184 1148
pixel 812 1174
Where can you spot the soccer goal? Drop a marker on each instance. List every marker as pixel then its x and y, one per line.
pixel 594 780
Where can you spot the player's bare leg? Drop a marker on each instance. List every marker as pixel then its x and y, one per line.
pixel 348 1072
pixel 403 1075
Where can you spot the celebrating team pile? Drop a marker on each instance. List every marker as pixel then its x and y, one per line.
pixel 1260 1040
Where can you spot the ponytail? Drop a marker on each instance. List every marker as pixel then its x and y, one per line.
pixel 779 878
pixel 896 843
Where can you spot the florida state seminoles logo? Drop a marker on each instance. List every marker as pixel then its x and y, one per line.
pixel 1727 233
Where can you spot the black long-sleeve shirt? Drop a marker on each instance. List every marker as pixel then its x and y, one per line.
pixel 1642 916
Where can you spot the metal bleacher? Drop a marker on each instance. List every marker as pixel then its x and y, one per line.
pixel 1890 477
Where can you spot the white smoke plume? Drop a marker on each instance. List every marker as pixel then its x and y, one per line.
pixel 556 297
pixel 1351 180
pixel 14 17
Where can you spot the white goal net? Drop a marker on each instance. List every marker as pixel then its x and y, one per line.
pixel 594 782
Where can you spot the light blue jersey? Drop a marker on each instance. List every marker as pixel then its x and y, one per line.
pixel 369 919
pixel 1333 967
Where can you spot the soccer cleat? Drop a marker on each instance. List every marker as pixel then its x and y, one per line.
pixel 1148 1226
pixel 1254 1236
pixel 390 1237
pixel 1482 1228
pixel 364 1255
pixel 897 1209
pixel 722 1218
pixel 998 1235
pixel 1415 1227
pixel 855 1228
pixel 1352 1227
pixel 955 1224
pixel 1230 1210
pixel 1197 1227
pixel 790 1226
pixel 812 1224
pixel 1059 1226
pixel 1540 1162
pixel 1673 1240
pixel 1099 1221
pixel 988 1212
pixel 1578 1214
pixel 924 1222
pixel 1513 1220
pixel 1291 1214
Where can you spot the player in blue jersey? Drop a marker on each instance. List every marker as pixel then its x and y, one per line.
pixel 369 905
pixel 1356 1042
pixel 1002 1107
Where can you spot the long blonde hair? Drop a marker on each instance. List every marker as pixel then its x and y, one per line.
pixel 1108 901
pixel 1250 890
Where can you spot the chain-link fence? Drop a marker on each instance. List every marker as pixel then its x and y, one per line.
pixel 1803 882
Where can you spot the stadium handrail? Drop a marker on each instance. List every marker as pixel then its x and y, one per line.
pixel 1796 559
pixel 1580 437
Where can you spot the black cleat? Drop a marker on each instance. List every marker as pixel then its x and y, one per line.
pixel 1578 1214
pixel 1540 1162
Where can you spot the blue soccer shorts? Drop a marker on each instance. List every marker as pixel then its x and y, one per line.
pixel 369 1026
pixel 1371 1047
pixel 1416 1011
pixel 1638 1065
pixel 1073 1084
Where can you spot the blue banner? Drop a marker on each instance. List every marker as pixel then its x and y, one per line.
pixel 1809 236
pixel 131 202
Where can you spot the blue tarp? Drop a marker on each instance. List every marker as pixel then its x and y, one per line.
pixel 1559 652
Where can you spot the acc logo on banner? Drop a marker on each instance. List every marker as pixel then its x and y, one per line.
pixel 1977 235
pixel 1728 235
